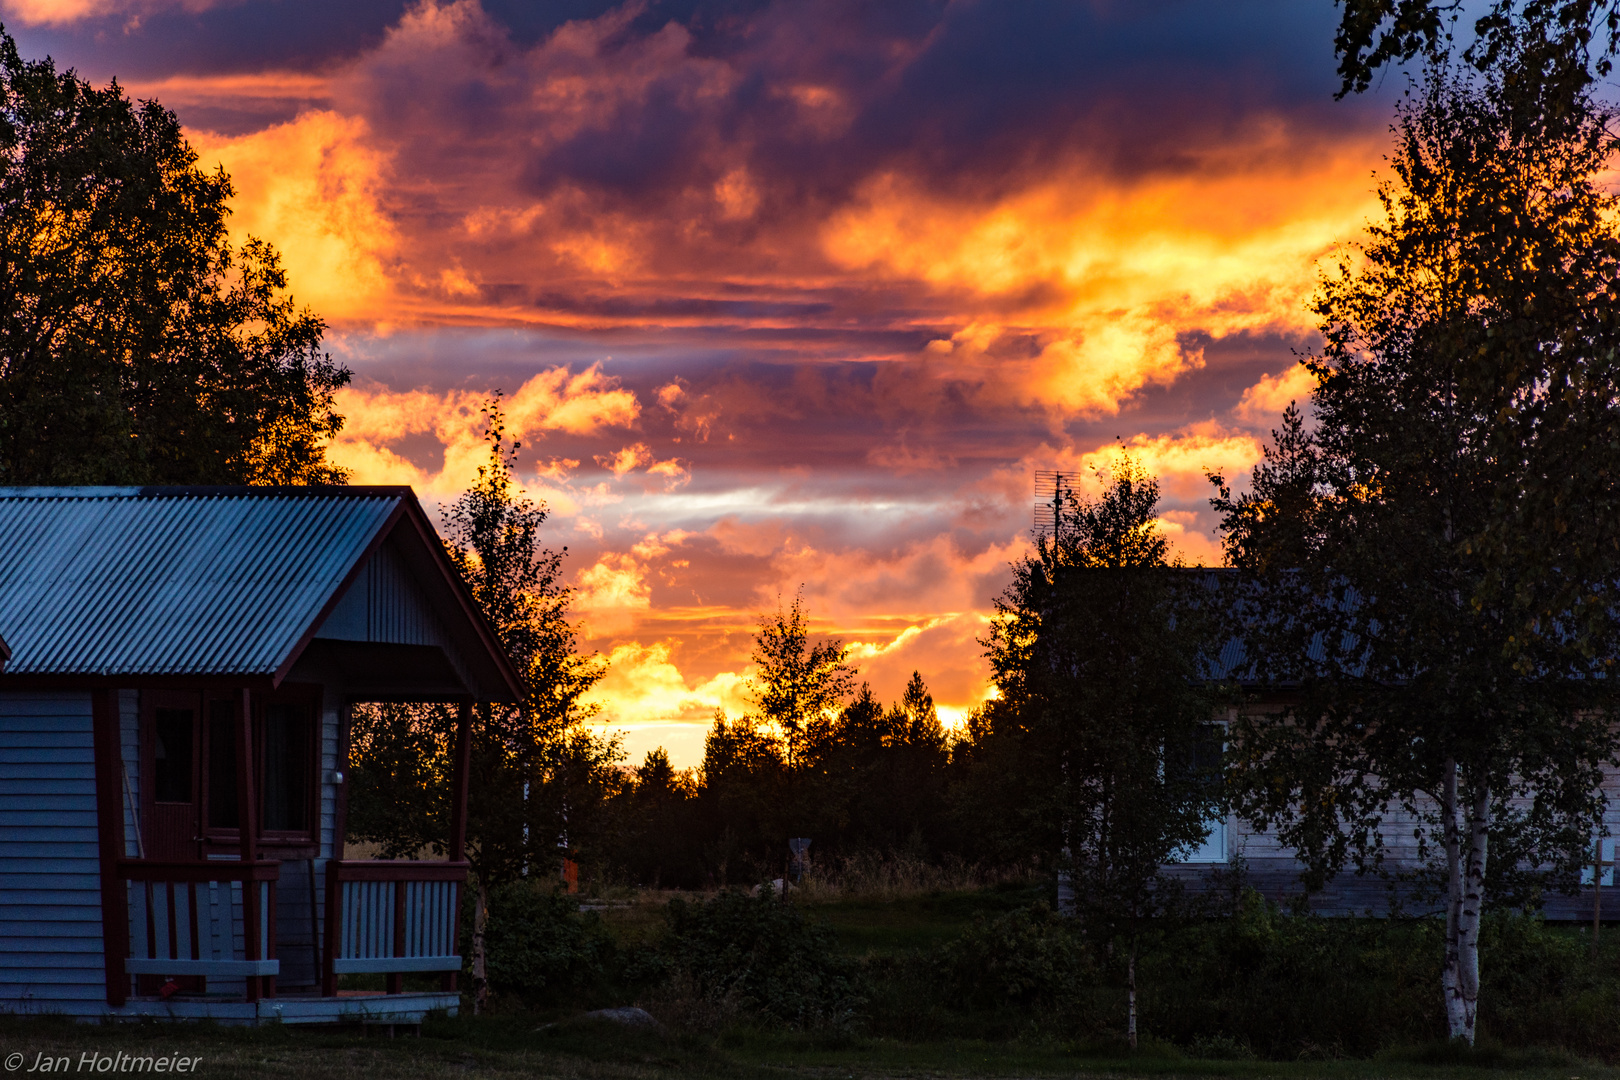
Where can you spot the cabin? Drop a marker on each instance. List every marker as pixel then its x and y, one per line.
pixel 178 672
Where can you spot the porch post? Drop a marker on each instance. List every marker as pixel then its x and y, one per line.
pixel 340 830
pixel 340 797
pixel 458 820
pixel 110 841
pixel 247 817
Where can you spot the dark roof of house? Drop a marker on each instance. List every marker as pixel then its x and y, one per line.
pixel 211 580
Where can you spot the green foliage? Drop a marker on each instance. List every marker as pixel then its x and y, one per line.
pixel 1435 550
pixel 540 947
pixel 1028 958
pixel 538 777
pixel 765 956
pixel 1285 985
pixel 1096 648
pixel 799 687
pixel 137 345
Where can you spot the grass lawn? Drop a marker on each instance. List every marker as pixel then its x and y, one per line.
pixel 908 1033
pixel 510 1046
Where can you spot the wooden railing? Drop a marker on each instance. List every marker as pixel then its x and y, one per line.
pixel 203 919
pixel 392 917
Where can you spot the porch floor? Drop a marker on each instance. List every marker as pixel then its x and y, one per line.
pixel 349 1007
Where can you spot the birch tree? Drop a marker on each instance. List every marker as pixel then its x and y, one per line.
pixel 540 778
pixel 1431 559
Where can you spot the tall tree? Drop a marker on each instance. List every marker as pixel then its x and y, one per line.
pixel 1434 560
pixel 541 780
pixel 1097 650
pixel 798 687
pixel 137 345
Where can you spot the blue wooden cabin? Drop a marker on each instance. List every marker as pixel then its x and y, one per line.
pixel 178 669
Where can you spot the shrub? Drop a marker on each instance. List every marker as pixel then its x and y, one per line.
pixel 1292 985
pixel 539 946
pixel 764 956
pixel 1030 958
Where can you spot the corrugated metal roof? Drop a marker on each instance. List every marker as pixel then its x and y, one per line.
pixel 197 581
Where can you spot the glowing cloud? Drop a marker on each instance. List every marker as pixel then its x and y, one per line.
pixel 642 683
pixel 1106 279
pixel 1179 461
pixel 63 12
pixel 313 187
pixel 1264 402
pixel 611 593
pixel 555 400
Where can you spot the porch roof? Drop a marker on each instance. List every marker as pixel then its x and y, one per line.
pixel 211 581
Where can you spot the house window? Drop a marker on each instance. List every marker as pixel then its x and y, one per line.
pixel 223 813
pixel 288 767
pixel 1202 758
pixel 172 763
pixel 190 747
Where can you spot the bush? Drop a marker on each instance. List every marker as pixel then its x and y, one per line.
pixel 1293 985
pixel 538 946
pixel 763 955
pixel 1028 958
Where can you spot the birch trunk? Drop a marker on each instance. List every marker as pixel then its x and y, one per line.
pixel 1130 997
pixel 480 974
pixel 1466 833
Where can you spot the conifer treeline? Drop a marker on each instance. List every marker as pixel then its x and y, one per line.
pixel 871 779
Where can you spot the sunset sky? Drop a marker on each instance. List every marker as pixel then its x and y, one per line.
pixel 780 294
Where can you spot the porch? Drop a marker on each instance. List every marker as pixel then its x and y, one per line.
pixel 202 941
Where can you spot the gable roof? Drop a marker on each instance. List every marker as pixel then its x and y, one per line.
pixel 210 580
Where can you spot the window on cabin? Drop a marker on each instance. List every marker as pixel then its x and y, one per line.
pixel 1201 758
pixel 222 809
pixel 288 767
pixel 173 763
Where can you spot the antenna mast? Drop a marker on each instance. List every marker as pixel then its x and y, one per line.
pixel 1052 489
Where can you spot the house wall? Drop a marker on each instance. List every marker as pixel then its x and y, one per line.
pixel 50 893
pixel 1272 868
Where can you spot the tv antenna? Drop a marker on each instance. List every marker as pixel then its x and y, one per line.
pixel 1052 490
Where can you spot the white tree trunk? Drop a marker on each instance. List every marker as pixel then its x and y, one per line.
pixel 1466 832
pixel 480 976
pixel 1130 997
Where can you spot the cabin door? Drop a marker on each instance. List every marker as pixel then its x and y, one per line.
pixel 171 741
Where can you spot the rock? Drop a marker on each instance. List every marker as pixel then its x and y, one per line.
pixel 629 1016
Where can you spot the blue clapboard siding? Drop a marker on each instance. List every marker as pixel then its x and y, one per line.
pixel 50 884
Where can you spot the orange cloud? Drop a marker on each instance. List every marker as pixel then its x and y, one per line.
pixel 643 685
pixel 313 187
pixel 609 594
pixel 1063 285
pixel 1179 461
pixel 1264 402
pixel 64 12
pixel 1106 277
pixel 555 400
